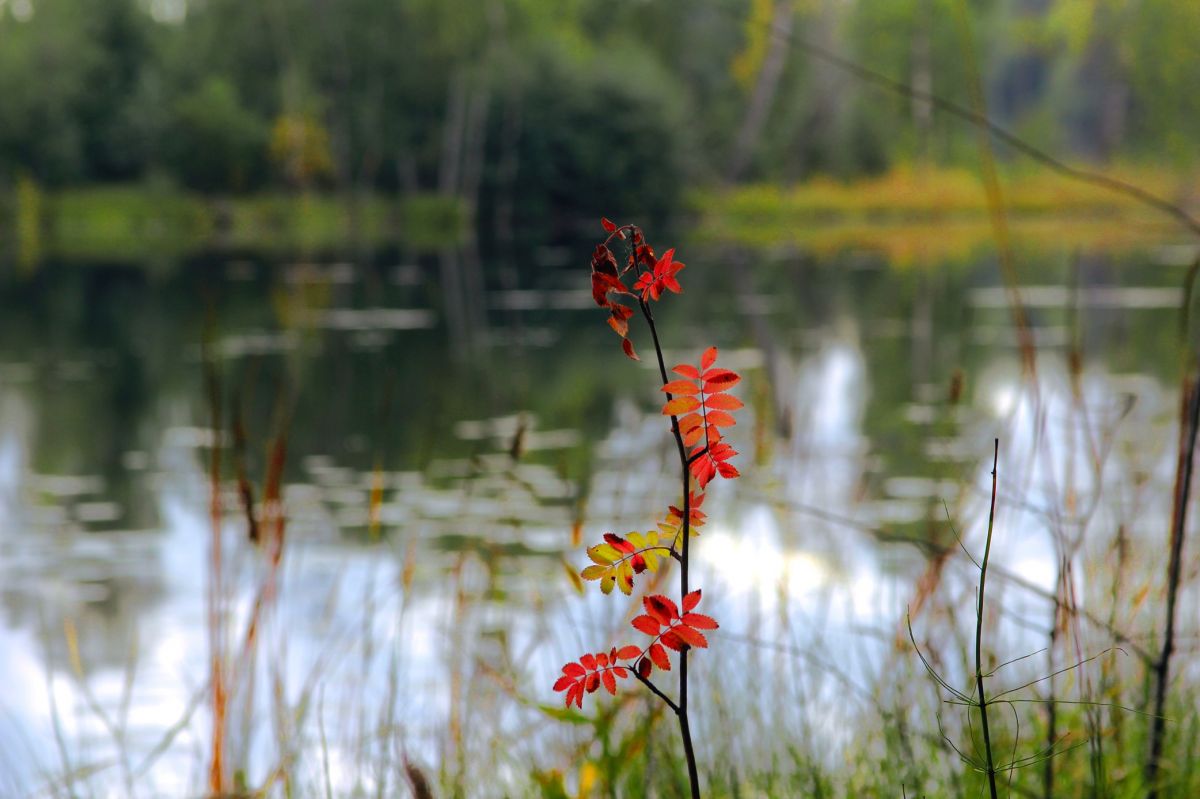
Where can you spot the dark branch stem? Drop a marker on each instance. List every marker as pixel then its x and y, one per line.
pixel 682 709
pixel 655 690
pixel 1188 423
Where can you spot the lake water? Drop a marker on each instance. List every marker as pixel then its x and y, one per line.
pixel 458 429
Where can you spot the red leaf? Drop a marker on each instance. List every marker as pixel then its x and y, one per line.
pixel 601 659
pixel 610 682
pixel 664 263
pixel 618 543
pixel 564 682
pixel 700 621
pixel 690 636
pixel 728 470
pixel 575 695
pixel 708 358
pixel 661 608
pixel 680 405
pixel 719 379
pixel 620 672
pixel 619 325
pixel 638 563
pixel 687 370
pixel 725 402
pixel 672 640
pixel 660 657
pixel 588 661
pixel 691 600
pixel 646 624
pixel 681 387
pixel 630 652
pixel 592 682
pixel 627 345
pixel 608 226
pixel 704 471
pixel 644 667
pixel 574 670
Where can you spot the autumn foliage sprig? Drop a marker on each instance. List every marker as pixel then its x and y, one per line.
pixel 699 407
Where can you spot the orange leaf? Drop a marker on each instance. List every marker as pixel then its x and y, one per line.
pixel 691 600
pixel 708 358
pixel 687 370
pixel 725 402
pixel 699 621
pixel 660 658
pixel 728 471
pixel 627 345
pixel 680 405
pixel 681 387
pixel 720 419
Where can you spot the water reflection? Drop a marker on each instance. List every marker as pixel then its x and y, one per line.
pixel 441 451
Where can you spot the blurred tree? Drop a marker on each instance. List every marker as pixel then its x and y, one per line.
pixel 214 142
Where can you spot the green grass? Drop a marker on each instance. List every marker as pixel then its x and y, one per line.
pixel 139 222
pixel 936 214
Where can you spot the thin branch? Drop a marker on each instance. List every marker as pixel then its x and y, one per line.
pixel 654 689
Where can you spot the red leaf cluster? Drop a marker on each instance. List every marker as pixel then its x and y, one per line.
pixel 670 630
pixel 653 278
pixel 705 408
pixel 591 671
pixel 606 281
pixel 660 276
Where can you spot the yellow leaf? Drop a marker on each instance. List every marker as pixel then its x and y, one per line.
pixel 599 557
pixel 594 572
pixel 575 581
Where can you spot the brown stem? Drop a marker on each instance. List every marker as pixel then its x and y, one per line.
pixel 681 710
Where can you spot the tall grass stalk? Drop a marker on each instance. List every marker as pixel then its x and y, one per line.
pixel 983 565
